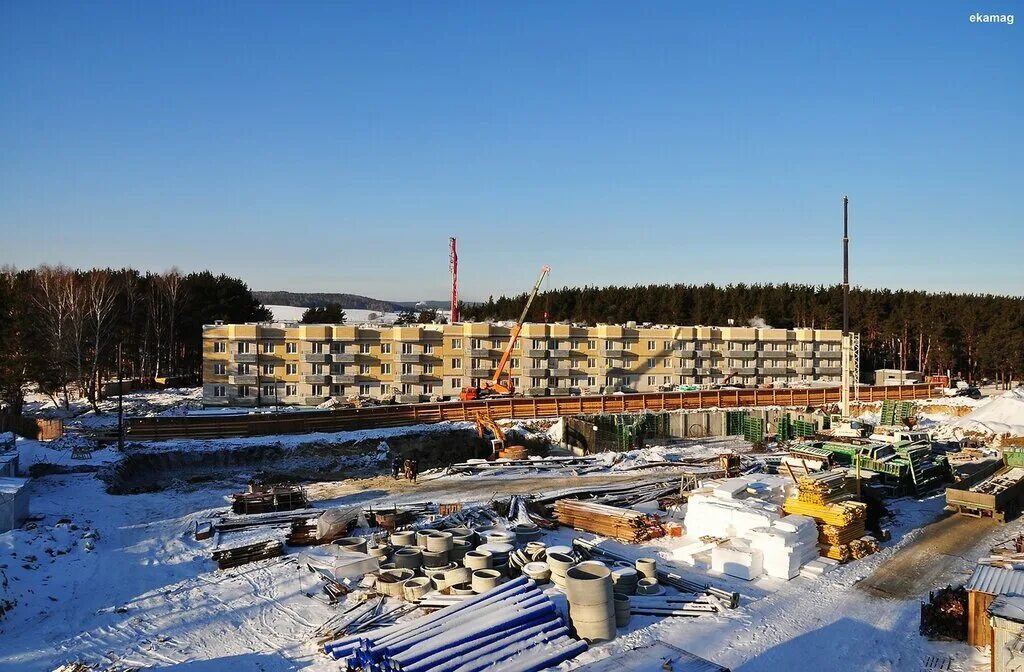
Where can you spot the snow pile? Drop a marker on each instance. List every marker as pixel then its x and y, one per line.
pixel 1002 416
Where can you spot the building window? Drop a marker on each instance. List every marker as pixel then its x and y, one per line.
pixel 365 389
pixel 364 369
pixel 243 390
pixel 336 390
pixel 385 368
pixel 219 369
pixel 536 344
pixel 383 390
pixel 536 382
pixel 475 343
pixel 456 343
pixel 243 369
pixel 552 345
pixel 269 390
pixel 574 344
pixel 318 369
pixel 291 369
pixel 406 368
pixel 607 363
pixel 268 347
pixel 515 382
pixel 456 363
pixel 220 346
pixel 268 369
pixel 218 391
pixel 514 363
pixel 592 344
pixel 651 345
pixel 291 347
pixel 428 369
pixel 406 348
pixel 667 380
pixel 316 347
pixel 243 347
pixel 290 390
pixel 385 348
pixel 318 390
pixel 650 363
pixel 666 362
pixel 428 388
pixel 650 380
pixel 428 348
pixel 364 348
pixel 574 363
pixel 591 381
pixel 591 362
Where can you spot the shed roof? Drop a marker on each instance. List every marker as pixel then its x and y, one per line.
pixel 1010 607
pixel 996 581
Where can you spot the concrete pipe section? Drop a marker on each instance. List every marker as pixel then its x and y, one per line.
pixel 485 579
pixel 459 549
pixel 457 576
pixel 390 581
pixel 408 557
pixel 462 589
pixel 478 560
pixel 500 537
pixel 434 558
pixel 439 541
pixel 421 537
pixel 356 544
pixel 624 579
pixel 588 586
pixel 622 614
pixel 649 587
pixel 416 588
pixel 407 538
pixel 559 563
pixel 538 571
pixel 382 553
pixel 647 568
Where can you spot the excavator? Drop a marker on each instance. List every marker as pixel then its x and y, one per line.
pixel 496 387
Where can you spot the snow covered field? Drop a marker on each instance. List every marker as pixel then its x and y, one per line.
pixel 121 580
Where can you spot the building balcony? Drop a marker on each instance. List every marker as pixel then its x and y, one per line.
pixel 409 357
pixel 315 357
pixel 828 370
pixel 703 354
pixel 803 370
pixel 562 372
pixel 244 357
pixel 559 354
pixel 537 392
pixel 537 373
pixel 534 353
pixel 744 370
pixel 615 370
pixel 313 401
pixel 316 379
pixel 617 353
pixel 479 352
pixel 344 358
pixel 344 378
pixel 686 371
pixel 774 370
pixel 742 354
pixel 773 354
pixel 686 353
pixel 481 372
pixel 410 378
pixel 242 379
pixel 829 354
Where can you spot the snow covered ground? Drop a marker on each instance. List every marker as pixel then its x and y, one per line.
pixel 120 580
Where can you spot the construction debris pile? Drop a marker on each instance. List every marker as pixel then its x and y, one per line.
pixel 241 555
pixel 513 624
pixel 944 615
pixel 268 498
pixel 608 521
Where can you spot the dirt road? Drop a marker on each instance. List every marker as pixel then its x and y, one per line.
pixel 935 558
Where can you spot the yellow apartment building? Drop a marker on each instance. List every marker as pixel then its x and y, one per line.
pixel 307 364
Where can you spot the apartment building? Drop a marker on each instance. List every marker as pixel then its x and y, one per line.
pixel 300 364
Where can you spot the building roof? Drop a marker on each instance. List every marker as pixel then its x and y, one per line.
pixel 1010 607
pixel 9 485
pixel 996 581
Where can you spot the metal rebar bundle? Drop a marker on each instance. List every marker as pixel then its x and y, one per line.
pixel 514 624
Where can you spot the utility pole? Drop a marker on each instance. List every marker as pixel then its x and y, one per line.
pixel 120 401
pixel 845 396
pixel 453 266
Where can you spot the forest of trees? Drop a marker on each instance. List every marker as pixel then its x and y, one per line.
pixel 60 328
pixel 974 336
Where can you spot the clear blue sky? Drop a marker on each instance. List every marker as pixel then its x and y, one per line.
pixel 336 145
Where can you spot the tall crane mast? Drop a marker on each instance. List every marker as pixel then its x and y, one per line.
pixel 495 386
pixel 453 265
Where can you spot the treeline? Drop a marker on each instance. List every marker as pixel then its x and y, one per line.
pixel 974 336
pixel 324 299
pixel 60 328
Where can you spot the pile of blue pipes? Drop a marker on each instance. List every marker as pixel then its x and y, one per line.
pixel 514 627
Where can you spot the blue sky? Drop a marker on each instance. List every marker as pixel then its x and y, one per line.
pixel 335 146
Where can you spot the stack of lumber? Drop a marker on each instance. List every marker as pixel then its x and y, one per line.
pixel 608 521
pixel 241 555
pixel 839 525
pixel 264 499
pixel 863 547
pixel 823 487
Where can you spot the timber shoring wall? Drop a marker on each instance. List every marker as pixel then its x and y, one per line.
pixel 400 415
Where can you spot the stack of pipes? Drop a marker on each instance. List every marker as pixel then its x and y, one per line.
pixel 514 624
pixel 608 521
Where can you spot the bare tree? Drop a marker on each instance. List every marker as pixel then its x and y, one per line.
pixel 173 291
pixel 54 297
pixel 99 294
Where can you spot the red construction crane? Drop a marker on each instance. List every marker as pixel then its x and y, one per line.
pixel 496 386
pixel 453 265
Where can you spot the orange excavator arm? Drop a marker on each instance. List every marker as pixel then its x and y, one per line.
pixel 495 383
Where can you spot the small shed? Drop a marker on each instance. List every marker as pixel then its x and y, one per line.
pixel 986 584
pixel 1006 616
pixel 898 377
pixel 13 502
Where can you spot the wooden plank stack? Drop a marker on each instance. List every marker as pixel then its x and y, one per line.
pixel 841 532
pixel 241 555
pixel 608 521
pixel 824 487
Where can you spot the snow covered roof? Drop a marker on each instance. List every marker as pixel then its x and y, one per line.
pixel 9 485
pixel 1010 607
pixel 996 581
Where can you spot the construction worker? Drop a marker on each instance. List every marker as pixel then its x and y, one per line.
pixel 396 466
pixel 408 469
pixel 414 468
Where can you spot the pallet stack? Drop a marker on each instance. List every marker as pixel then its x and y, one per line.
pixel 608 521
